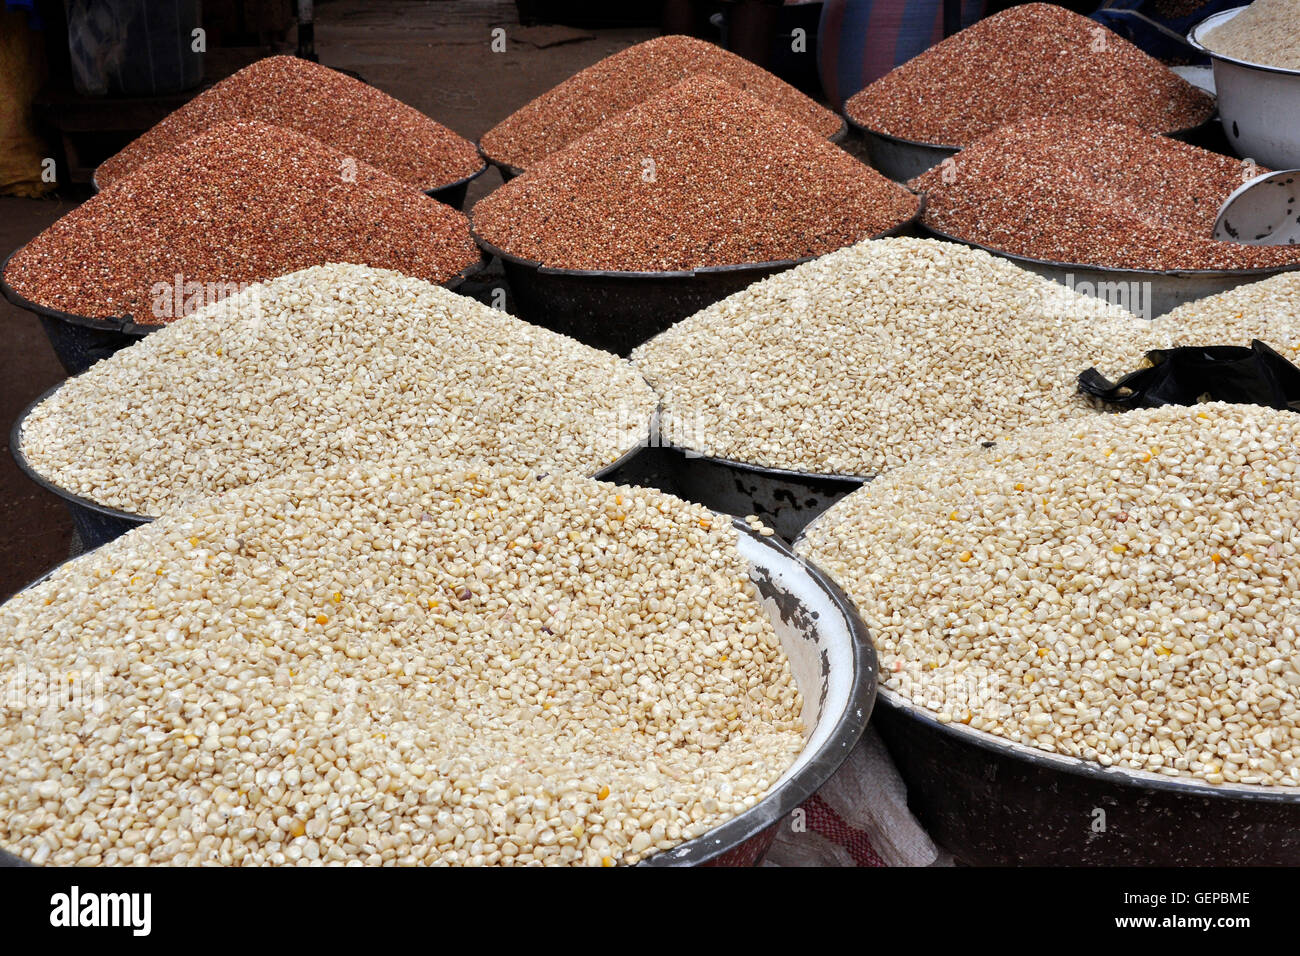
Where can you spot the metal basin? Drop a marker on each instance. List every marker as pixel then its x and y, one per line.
pixel 993 802
pixel 617 311
pixel 1148 293
pixel 1259 104
pixel 97 524
pixel 834 665
pixel 79 342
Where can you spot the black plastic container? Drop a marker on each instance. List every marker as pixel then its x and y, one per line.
pixel 990 802
pixel 617 311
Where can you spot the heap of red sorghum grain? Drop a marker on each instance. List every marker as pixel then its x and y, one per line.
pixel 628 78
pixel 700 175
pixel 1097 194
pixel 1032 60
pixel 242 203
pixel 322 103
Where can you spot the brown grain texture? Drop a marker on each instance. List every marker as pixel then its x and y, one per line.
pixel 1029 61
pixel 629 78
pixel 1099 194
pixel 700 175
pixel 242 203
pixel 322 103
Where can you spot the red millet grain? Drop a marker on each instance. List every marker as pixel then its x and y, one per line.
pixel 1098 194
pixel 319 102
pixel 242 203
pixel 700 175
pixel 629 78
pixel 1032 60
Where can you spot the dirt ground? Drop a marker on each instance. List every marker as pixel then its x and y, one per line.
pixel 436 56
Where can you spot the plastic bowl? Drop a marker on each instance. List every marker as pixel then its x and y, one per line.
pixel 834 665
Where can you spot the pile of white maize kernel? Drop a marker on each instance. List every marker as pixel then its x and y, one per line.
pixel 1268 310
pixel 326 365
pixel 880 353
pixel 390 664
pixel 1124 590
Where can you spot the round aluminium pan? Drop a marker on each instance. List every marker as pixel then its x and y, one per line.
pixel 453 194
pixel 1148 293
pixel 97 524
pixel 902 159
pixel 834 665
pixel 79 342
pixel 617 311
pixel 509 172
pixel 993 802
pixel 1258 103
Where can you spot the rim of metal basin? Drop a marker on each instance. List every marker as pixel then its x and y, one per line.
pixel 821 766
pixel 1218 19
pixel 695 455
pixel 1173 133
pixel 1029 260
pixel 28 469
pixel 770 266
pixel 128 326
pixel 465 181
pixel 1078 766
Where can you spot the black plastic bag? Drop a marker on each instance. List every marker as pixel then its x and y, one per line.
pixel 1216 373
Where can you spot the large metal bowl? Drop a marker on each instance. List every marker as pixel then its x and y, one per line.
pixel 833 664
pixel 1148 293
pixel 994 802
pixel 990 801
pixel 903 160
pixel 1258 104
pixel 617 311
pixel 97 524
pixel 79 342
pixel 785 500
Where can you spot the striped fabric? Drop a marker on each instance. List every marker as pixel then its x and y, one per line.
pixel 860 41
